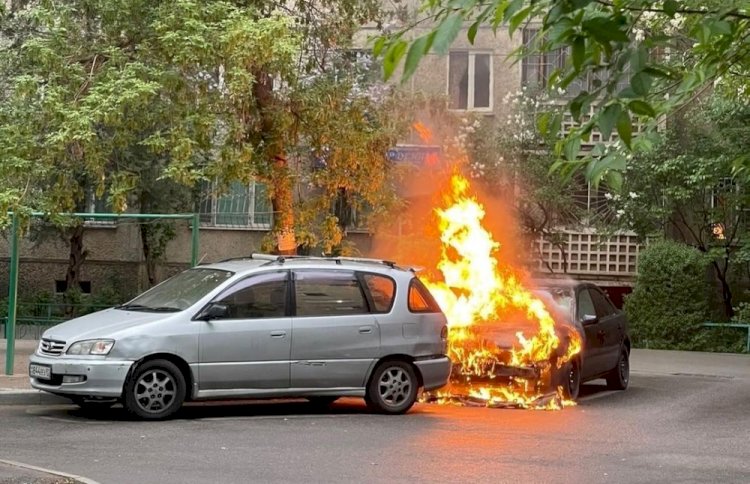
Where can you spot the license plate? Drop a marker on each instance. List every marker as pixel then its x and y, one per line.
pixel 40 371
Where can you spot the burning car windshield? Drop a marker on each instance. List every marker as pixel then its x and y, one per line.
pixel 179 292
pixel 563 297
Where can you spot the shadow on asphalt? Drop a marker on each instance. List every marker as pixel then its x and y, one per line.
pixel 236 408
pixel 296 408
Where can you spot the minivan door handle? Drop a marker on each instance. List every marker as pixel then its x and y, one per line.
pixel 365 329
pixel 278 334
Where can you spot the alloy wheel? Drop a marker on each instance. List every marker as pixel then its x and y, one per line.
pixel 155 391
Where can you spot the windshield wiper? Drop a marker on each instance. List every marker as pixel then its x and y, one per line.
pixel 141 307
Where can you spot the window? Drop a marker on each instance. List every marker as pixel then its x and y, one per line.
pixel 382 290
pixel 182 290
pixel 61 287
pixel 420 299
pixel 261 296
pixel 604 308
pixel 93 203
pixel 241 205
pixel 585 305
pixel 537 68
pixel 470 81
pixel 328 293
pixel 359 65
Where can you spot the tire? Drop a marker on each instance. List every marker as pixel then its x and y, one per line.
pixel 619 377
pixel 571 380
pixel 155 390
pixel 392 388
pixel 321 401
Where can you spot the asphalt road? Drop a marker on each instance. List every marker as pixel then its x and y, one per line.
pixel 664 428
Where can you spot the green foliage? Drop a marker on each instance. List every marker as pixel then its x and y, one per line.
pixel 666 53
pixel 687 186
pixel 116 96
pixel 671 297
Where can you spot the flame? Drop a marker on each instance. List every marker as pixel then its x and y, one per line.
pixel 476 292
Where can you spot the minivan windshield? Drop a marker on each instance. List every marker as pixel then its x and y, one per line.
pixel 179 292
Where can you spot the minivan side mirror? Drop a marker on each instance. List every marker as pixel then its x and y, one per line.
pixel 589 319
pixel 214 310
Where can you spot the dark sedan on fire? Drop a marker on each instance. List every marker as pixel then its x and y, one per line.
pixel 578 308
pixel 606 342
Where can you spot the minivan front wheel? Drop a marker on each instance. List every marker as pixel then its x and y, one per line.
pixel 155 390
pixel 393 387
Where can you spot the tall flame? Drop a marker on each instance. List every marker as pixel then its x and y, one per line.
pixel 476 290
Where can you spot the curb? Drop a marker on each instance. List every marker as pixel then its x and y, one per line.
pixel 30 397
pixel 82 480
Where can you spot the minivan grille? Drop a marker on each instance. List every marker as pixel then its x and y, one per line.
pixel 51 347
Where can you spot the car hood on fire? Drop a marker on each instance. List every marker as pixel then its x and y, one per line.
pixel 102 324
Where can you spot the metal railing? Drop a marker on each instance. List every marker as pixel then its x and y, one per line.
pixel 14 246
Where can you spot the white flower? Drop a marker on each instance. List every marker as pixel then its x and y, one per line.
pixel 640 35
pixel 608 196
pixel 633 195
pixel 619 213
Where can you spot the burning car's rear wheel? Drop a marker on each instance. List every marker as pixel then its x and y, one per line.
pixel 619 377
pixel 392 388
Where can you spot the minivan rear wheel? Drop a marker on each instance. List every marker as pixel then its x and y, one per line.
pixel 393 388
pixel 155 390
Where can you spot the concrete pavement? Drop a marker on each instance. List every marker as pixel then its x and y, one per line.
pixel 16 390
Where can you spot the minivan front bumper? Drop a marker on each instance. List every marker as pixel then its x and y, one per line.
pixel 101 377
pixel 435 372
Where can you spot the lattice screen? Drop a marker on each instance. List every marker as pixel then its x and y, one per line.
pixel 592 254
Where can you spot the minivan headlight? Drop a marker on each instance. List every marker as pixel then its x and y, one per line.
pixel 91 347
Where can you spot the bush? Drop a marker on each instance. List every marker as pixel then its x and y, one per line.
pixel 671 298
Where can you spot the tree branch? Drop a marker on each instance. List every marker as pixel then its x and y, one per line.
pixel 685 11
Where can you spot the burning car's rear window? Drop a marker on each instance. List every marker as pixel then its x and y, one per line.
pixel 420 299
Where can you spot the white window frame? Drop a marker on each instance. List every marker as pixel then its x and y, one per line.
pixel 251 212
pixel 470 88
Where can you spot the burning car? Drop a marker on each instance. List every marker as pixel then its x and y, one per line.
pixel 592 343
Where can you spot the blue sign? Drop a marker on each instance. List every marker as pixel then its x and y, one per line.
pixel 416 154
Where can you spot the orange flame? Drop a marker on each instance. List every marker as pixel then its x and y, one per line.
pixel 476 292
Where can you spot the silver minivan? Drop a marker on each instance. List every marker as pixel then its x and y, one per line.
pixel 259 327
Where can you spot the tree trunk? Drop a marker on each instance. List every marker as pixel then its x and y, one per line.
pixel 282 190
pixel 77 256
pixel 148 257
pixel 726 291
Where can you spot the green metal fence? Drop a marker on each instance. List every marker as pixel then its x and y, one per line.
pixel 12 319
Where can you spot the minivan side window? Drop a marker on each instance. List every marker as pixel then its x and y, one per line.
pixel 382 291
pixel 258 296
pixel 420 299
pixel 328 293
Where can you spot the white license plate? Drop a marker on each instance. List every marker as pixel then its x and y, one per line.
pixel 40 371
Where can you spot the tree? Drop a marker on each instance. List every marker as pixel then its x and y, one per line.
pixel 111 96
pixel 667 53
pixel 688 189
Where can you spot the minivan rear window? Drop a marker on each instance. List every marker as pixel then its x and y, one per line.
pixel 382 290
pixel 420 299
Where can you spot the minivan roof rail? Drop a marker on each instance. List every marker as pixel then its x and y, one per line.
pixel 338 260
